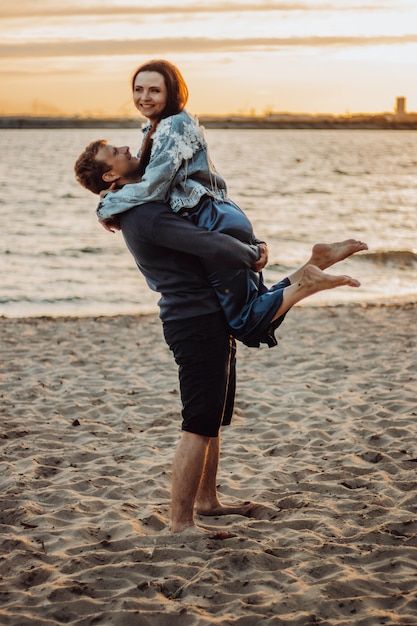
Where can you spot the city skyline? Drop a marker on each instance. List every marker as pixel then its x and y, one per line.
pixel 238 57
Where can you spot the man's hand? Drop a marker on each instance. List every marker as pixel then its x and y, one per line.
pixel 263 257
pixel 111 224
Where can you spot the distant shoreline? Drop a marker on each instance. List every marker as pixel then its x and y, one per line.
pixel 383 121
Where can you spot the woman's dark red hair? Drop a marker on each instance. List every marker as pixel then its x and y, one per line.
pixel 177 90
pixel 177 96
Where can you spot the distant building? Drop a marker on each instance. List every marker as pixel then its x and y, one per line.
pixel 400 106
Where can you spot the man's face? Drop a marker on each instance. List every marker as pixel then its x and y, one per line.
pixel 123 166
pixel 150 94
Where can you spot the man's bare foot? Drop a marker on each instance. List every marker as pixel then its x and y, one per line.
pixel 244 508
pixel 325 255
pixel 314 280
pixel 199 532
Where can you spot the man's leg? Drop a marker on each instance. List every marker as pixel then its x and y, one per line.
pixel 187 471
pixel 205 354
pixel 207 499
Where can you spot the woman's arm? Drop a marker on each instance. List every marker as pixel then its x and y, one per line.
pixel 175 140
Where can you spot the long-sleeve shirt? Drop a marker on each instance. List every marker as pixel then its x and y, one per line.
pixel 170 251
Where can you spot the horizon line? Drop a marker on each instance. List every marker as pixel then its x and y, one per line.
pixel 271 114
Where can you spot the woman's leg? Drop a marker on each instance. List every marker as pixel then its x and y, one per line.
pixel 325 255
pixel 311 281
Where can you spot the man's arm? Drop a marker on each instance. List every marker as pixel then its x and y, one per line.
pixel 157 224
pixel 112 225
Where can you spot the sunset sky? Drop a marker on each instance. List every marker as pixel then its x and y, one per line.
pixel 75 57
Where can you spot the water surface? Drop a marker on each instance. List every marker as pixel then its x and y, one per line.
pixel 297 186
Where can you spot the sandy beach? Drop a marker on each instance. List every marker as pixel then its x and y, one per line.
pixel 324 439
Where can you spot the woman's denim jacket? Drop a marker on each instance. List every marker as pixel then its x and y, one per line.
pixel 179 172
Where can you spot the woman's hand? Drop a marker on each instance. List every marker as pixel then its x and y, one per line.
pixel 104 192
pixel 259 265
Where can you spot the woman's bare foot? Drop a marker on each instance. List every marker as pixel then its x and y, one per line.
pixel 325 255
pixel 311 280
pixel 314 280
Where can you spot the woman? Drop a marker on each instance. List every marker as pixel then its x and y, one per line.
pixel 175 167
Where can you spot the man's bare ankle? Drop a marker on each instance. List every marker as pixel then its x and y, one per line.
pixel 189 529
pixel 179 525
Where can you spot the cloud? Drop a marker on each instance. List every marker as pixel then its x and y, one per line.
pixel 163 46
pixel 12 9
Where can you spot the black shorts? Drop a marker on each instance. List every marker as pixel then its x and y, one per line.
pixel 205 354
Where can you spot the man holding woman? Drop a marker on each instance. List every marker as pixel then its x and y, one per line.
pixel 174 166
pixel 171 220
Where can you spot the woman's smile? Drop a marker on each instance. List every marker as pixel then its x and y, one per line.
pixel 150 94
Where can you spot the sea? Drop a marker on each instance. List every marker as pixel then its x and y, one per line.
pixel 298 187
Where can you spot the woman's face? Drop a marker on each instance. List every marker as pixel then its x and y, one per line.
pixel 150 94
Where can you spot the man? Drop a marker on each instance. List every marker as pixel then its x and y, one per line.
pixel 172 253
pixel 167 250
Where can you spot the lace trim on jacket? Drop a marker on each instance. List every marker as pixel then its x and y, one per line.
pixel 185 144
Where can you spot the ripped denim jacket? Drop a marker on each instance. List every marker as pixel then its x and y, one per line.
pixel 179 172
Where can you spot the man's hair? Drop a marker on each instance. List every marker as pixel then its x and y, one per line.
pixel 89 171
pixel 177 91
